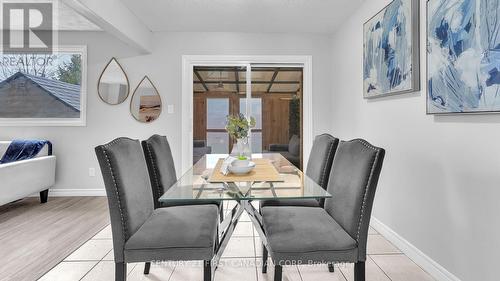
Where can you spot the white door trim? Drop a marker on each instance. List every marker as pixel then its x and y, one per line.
pixel 189 61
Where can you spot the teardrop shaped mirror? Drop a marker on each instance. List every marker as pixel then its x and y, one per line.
pixel 145 104
pixel 113 86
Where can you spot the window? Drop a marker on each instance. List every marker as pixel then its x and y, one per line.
pixel 217 137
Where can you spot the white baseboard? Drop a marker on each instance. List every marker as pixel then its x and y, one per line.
pixel 76 192
pixel 424 261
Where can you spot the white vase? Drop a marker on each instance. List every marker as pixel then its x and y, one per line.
pixel 243 148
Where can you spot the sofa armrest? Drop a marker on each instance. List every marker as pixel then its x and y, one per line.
pixel 200 151
pixel 199 143
pixel 278 147
pixel 26 177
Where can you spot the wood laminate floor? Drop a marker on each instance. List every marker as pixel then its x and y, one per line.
pixel 36 237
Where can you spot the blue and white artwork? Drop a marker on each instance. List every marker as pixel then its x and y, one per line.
pixel 463 56
pixel 390 62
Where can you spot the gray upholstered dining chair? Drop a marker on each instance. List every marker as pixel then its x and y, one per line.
pixel 142 233
pixel 162 173
pixel 338 232
pixel 318 169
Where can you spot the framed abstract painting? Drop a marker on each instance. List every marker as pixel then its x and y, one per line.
pixel 463 56
pixel 391 50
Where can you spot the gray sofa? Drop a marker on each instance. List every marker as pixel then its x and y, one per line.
pixel 200 148
pixel 290 151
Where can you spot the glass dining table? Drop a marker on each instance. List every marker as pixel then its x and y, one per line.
pixel 194 186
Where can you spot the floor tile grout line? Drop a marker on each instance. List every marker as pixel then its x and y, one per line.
pixel 385 273
pixel 403 254
pixel 300 274
pixel 135 265
pixel 95 264
pixel 341 272
pixel 172 273
pixel 64 259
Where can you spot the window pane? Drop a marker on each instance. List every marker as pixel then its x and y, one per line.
pixel 256 110
pixel 219 142
pixel 217 110
pixel 256 142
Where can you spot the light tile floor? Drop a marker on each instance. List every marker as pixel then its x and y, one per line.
pixel 93 261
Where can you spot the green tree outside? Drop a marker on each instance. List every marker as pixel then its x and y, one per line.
pixel 71 72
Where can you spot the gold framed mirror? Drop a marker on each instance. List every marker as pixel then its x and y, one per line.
pixel 113 86
pixel 146 105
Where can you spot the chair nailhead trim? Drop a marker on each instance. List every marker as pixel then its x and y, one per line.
pixel 323 174
pixel 153 163
pixel 363 142
pixel 124 227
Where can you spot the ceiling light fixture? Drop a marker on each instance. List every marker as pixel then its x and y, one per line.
pixel 220 85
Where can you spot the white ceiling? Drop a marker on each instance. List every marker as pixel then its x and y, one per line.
pixel 318 16
pixel 68 19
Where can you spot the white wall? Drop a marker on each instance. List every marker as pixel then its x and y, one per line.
pixel 74 146
pixel 440 183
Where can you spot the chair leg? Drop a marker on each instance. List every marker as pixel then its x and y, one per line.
pixel 207 271
pixel 217 240
pixel 120 271
pixel 147 267
pixel 359 271
pixel 331 267
pixel 278 273
pixel 221 212
pixel 264 259
pixel 44 195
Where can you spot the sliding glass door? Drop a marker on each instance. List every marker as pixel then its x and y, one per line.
pixel 272 94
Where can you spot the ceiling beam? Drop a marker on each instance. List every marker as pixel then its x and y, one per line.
pixel 237 77
pixel 272 79
pixel 201 80
pixel 244 82
pixel 116 19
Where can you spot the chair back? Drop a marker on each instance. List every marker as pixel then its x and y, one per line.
pixel 321 159
pixel 128 189
pixel 160 165
pixel 353 180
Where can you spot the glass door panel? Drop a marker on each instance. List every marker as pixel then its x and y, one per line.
pixel 256 112
pixel 217 137
pixel 216 94
pixel 278 88
pixel 217 110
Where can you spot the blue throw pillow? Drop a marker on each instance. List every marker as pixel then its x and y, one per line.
pixel 22 149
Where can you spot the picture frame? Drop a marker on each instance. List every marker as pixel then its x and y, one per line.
pixel 470 70
pixel 394 71
pixel 40 89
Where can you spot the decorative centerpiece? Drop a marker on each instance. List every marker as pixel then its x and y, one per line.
pixel 238 127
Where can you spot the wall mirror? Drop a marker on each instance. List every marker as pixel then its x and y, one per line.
pixel 113 86
pixel 145 104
